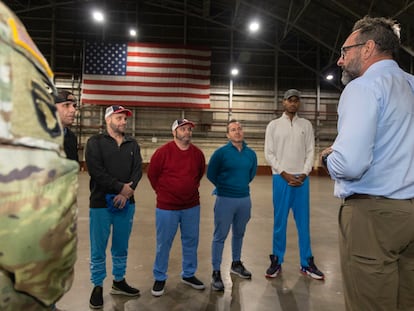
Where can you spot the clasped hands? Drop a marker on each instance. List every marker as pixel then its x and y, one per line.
pixel 121 198
pixel 293 179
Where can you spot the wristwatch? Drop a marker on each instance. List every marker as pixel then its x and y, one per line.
pixel 325 160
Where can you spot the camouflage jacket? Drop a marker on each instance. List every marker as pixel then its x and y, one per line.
pixel 38 184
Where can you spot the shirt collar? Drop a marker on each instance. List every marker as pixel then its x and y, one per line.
pixel 287 117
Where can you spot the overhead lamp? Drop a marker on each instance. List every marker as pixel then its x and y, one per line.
pixel 98 16
pixel 254 26
pixel 234 72
pixel 329 77
pixel 132 32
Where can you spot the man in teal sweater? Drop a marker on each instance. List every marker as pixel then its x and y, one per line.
pixel 231 169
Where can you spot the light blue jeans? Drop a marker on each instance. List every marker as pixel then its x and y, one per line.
pixel 101 221
pixel 234 213
pixel 167 222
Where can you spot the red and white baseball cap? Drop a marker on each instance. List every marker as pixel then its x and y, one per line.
pixel 181 122
pixel 117 109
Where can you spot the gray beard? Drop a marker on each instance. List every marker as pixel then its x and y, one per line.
pixel 353 72
pixel 346 78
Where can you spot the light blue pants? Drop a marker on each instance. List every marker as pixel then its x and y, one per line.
pixel 286 197
pixel 100 223
pixel 167 222
pixel 234 213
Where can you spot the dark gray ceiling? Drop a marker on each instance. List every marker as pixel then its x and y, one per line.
pixel 298 42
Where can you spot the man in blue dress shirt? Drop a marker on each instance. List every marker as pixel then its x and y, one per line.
pixel 372 163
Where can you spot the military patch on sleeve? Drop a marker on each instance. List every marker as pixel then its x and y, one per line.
pixel 46 113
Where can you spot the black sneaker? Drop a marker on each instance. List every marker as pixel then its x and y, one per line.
pixel 96 300
pixel 193 282
pixel 217 282
pixel 312 270
pixel 158 288
pixel 122 288
pixel 275 268
pixel 238 269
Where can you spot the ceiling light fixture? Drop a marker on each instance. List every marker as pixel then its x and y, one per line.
pixel 132 32
pixel 254 26
pixel 98 16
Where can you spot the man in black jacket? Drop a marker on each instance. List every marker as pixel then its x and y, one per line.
pixel 66 106
pixel 114 164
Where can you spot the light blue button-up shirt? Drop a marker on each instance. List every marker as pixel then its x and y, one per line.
pixel 374 150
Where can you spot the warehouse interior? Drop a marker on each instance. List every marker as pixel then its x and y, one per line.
pixel 297 46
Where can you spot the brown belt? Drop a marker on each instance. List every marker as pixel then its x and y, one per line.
pixel 359 196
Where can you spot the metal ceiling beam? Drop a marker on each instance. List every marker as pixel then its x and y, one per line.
pixel 236 11
pixel 206 8
pixel 300 29
pixel 273 46
pixel 45 6
pixel 346 9
pixel 298 16
pixel 404 47
pixel 403 9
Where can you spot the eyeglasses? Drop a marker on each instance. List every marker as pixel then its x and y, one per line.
pixel 344 49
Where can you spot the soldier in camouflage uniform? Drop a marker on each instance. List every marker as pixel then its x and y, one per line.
pixel 38 184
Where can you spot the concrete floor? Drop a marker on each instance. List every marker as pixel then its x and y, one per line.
pixel 290 291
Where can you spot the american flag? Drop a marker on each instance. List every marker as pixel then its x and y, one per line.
pixel 139 74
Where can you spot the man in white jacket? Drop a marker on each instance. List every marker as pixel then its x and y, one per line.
pixel 289 149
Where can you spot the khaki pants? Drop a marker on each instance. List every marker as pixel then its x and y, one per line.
pixel 376 241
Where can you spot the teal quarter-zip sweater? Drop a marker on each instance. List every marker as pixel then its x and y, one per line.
pixel 231 170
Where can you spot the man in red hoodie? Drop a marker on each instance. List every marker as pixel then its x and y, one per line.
pixel 175 171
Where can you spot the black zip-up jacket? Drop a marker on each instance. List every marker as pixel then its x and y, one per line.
pixel 70 144
pixel 110 166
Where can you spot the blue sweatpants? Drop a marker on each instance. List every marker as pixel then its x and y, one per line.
pixel 101 221
pixel 234 213
pixel 167 222
pixel 286 197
